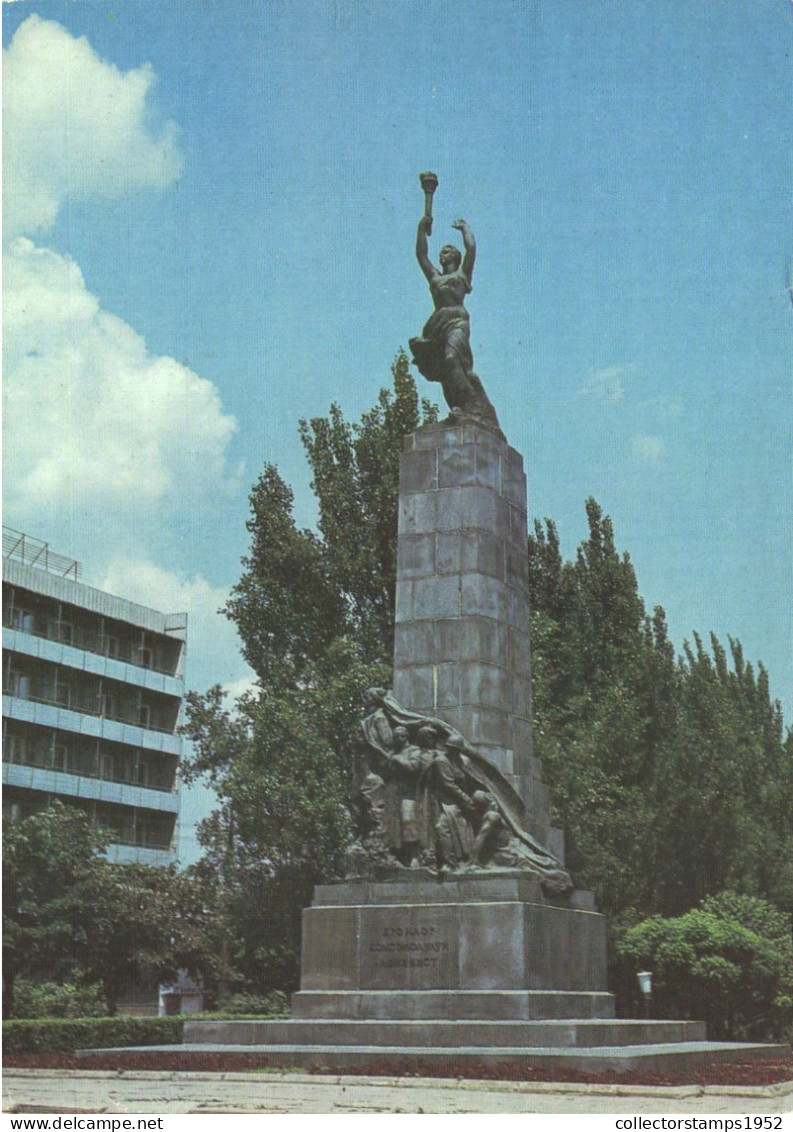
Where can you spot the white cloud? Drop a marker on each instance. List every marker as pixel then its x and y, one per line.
pixel 650 449
pixel 606 384
pixel 74 126
pixel 213 653
pixel 89 412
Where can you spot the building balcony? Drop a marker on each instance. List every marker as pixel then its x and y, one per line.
pixel 89 789
pixel 49 714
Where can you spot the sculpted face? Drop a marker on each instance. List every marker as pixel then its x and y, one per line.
pixel 400 737
pixel 450 258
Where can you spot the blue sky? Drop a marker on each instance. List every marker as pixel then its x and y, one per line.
pixel 209 219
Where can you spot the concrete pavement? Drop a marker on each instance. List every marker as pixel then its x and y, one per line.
pixel 61 1090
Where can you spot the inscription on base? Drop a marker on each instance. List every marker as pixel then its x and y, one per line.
pixel 418 952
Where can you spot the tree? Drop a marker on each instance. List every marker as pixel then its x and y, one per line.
pixel 46 858
pixel 68 911
pixel 671 777
pixel 728 962
pixel 603 676
pixel 314 611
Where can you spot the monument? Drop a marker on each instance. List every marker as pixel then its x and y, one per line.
pixel 458 935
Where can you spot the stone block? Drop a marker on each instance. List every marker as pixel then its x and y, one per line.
pixel 448 509
pixel 448 556
pixel 521 696
pixel 501 757
pixel 329 956
pixel 416 556
pixel 447 637
pixel 517 523
pixel 457 466
pixel 418 471
pixel 522 737
pixel 502 521
pixel 488 726
pixel 432 436
pixel 518 606
pixel 485 596
pixel 515 489
pixel 447 687
pixel 483 638
pixel 478 508
pixel 416 514
pixel 414 643
pixel 489 468
pixel 514 463
pixel 485 684
pixel 403 609
pixel 519 652
pixel 516 572
pixel 482 553
pixel 436 597
pixel 422 688
pixel 487 931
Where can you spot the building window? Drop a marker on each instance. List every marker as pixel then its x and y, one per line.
pixel 18 684
pixel 22 619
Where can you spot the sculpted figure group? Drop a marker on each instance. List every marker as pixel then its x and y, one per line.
pixel 428 798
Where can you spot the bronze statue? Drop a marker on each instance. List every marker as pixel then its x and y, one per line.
pixel 443 352
pixel 429 798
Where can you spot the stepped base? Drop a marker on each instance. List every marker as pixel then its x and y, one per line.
pixel 453 1005
pixel 376 1034
pixel 459 1061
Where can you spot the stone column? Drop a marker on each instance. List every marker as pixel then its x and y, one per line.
pixel 462 606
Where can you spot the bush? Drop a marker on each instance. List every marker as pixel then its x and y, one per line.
pixel 66 1035
pixel 274 1004
pixel 58 1000
pixel 728 962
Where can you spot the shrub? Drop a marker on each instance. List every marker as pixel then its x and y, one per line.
pixel 58 1000
pixel 66 1035
pixel 728 962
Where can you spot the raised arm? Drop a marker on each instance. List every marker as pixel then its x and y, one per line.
pixel 470 248
pixel 422 251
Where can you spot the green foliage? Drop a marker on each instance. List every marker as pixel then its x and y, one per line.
pixel 315 617
pixel 71 916
pixel 275 1004
pixel 75 999
pixel 671 778
pixel 66 1035
pixel 728 962
pixel 46 860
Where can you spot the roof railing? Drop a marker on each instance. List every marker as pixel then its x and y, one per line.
pixel 33 552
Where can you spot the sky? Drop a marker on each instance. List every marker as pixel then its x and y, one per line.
pixel 208 233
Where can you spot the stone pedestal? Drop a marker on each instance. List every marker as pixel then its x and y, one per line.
pixel 461 648
pixel 484 933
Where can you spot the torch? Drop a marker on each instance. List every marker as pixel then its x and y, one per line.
pixel 429 183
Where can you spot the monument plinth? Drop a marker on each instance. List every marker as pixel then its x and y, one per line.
pixel 462 648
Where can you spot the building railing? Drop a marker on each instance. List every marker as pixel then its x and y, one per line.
pixel 43 761
pixel 85 707
pixel 33 552
pixel 88 641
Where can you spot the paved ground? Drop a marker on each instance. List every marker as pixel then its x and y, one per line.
pixel 62 1090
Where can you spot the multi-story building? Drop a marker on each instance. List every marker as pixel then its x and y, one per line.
pixel 92 694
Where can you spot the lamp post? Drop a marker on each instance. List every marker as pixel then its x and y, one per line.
pixel 646 987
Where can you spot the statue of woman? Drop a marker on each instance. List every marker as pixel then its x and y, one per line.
pixel 443 353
